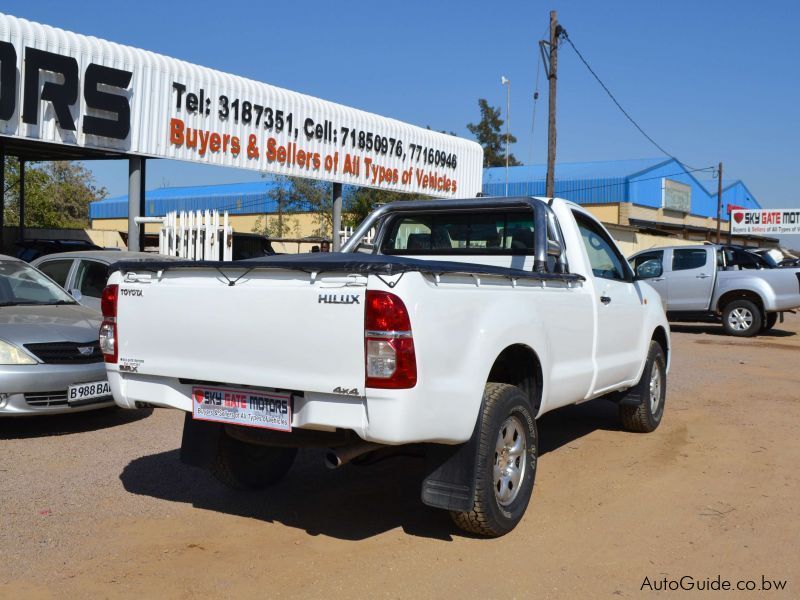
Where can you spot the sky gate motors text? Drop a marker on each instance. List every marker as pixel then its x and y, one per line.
pixel 230 399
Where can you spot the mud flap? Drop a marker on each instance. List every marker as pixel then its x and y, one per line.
pixel 200 441
pixel 450 475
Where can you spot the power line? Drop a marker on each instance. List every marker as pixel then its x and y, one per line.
pixel 615 101
pixel 533 117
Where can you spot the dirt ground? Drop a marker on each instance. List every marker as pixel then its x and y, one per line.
pixel 98 505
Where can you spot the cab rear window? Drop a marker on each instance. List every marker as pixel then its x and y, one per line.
pixel 449 233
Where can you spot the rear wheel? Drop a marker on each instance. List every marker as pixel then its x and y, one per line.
pixel 506 465
pixel 244 466
pixel 642 406
pixel 741 318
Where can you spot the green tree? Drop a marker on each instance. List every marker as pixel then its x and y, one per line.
pixel 488 132
pixel 292 195
pixel 364 200
pixel 57 194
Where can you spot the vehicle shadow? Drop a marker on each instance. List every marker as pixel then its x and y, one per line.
pixel 775 332
pixel 350 503
pixel 35 426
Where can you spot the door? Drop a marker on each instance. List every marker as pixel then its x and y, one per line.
pixel 649 267
pixel 57 270
pixel 90 279
pixel 691 279
pixel 620 316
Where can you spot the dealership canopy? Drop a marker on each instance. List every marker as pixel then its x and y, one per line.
pixel 64 95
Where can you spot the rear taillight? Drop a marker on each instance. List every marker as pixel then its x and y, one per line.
pixel 389 344
pixel 108 301
pixel 108 329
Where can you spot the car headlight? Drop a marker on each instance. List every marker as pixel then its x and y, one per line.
pixel 11 355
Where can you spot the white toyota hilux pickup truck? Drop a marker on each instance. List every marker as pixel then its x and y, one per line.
pixel 461 324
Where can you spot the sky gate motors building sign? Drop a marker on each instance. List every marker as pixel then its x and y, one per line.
pixel 779 221
pixel 65 88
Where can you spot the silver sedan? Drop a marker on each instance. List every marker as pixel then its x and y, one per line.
pixel 50 359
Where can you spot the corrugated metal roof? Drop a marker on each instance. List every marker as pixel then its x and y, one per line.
pixel 237 198
pixel 601 169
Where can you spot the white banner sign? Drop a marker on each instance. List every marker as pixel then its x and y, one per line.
pixel 779 221
pixel 64 88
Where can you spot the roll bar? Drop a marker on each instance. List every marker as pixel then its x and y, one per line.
pixel 547 233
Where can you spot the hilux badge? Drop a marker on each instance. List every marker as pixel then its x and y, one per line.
pixel 338 299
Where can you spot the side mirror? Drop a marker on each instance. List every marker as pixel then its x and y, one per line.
pixel 649 269
pixel 76 293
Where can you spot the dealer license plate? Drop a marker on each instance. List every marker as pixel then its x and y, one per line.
pixel 87 391
pixel 254 408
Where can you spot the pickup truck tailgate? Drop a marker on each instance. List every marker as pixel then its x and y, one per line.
pixel 271 329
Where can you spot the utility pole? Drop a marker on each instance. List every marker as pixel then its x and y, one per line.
pixel 719 199
pixel 555 31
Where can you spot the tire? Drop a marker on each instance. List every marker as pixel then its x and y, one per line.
pixel 741 318
pixel 244 466
pixel 770 321
pixel 506 436
pixel 649 395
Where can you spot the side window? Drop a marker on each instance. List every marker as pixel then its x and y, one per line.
pixel 748 260
pixel 604 259
pixel 57 270
pixel 91 278
pixel 639 259
pixel 490 232
pixel 689 258
pixel 739 259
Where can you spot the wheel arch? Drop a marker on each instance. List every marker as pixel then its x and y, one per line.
pixel 660 336
pixel 519 365
pixel 732 295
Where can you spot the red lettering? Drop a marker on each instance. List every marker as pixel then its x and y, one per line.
pixel 215 142
pixel 176 132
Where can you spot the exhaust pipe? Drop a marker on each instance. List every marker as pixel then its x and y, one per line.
pixel 335 458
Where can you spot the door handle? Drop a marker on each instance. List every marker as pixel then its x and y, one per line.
pixel 658 279
pixel 605 299
pixel 703 276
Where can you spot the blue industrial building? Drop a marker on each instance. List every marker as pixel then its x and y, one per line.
pixel 246 198
pixel 660 196
pixel 640 182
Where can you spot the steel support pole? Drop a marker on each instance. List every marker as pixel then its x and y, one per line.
pixel 719 200
pixel 136 181
pixel 2 192
pixel 507 83
pixel 21 200
pixel 337 216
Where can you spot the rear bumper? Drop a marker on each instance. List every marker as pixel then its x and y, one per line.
pixel 48 380
pixel 383 416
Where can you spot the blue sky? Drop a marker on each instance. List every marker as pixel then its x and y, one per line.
pixel 709 80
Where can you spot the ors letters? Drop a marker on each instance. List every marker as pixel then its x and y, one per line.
pixel 65 94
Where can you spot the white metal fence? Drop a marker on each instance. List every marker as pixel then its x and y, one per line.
pixel 196 235
pixel 347 232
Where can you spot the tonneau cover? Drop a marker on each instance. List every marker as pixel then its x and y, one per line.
pixel 367 264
